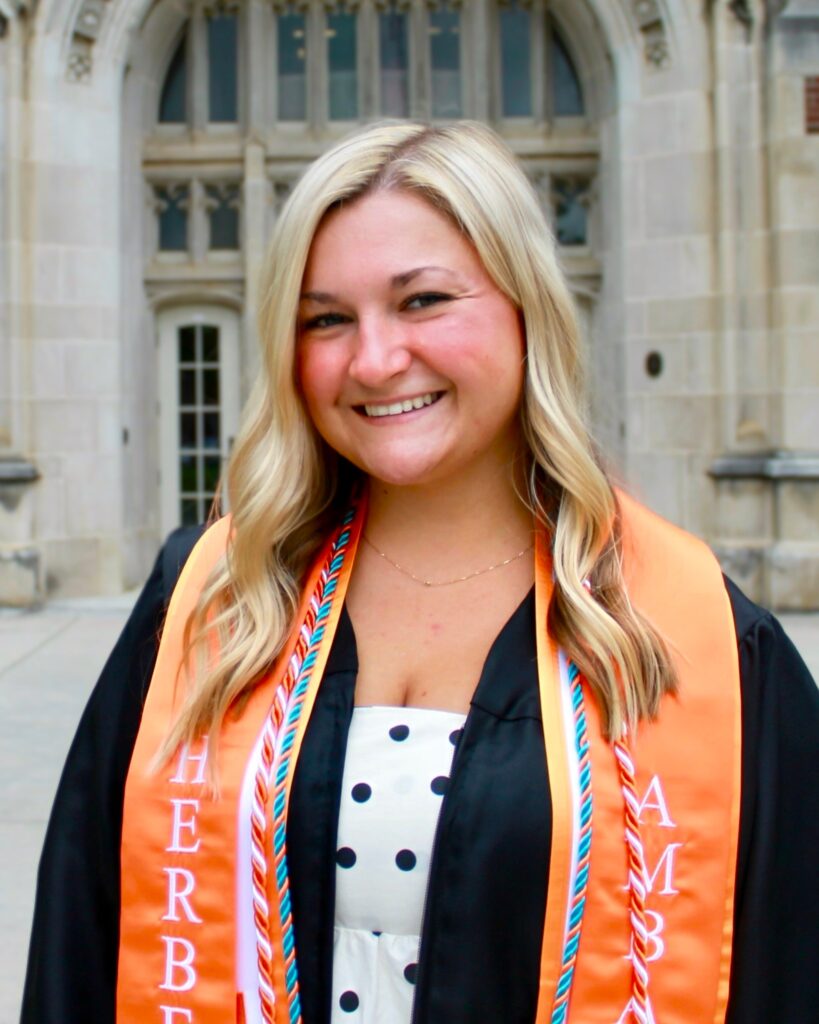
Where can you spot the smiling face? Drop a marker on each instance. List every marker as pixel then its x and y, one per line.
pixel 410 359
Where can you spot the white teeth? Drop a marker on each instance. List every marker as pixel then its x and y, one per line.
pixel 396 408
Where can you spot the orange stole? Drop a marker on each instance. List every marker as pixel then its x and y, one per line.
pixel 178 923
pixel 688 782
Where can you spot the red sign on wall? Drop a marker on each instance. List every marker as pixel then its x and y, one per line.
pixel 812 104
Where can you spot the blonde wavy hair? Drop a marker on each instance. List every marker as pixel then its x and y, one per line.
pixel 287 488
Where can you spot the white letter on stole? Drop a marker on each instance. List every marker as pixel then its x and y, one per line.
pixel 198 759
pixel 169 1012
pixel 180 895
pixel 657 804
pixel 184 964
pixel 180 823
pixel 628 1014
pixel 666 858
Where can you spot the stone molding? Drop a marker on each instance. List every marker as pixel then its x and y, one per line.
pixel 766 466
pixel 16 470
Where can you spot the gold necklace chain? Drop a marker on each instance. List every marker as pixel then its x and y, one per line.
pixel 446 583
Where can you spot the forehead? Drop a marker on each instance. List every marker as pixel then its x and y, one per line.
pixel 387 231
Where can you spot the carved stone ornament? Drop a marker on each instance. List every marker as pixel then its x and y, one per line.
pixel 647 13
pixel 336 6
pixel 288 6
pixel 80 61
pixel 656 50
pixel 87 26
pixel 402 6
pixel 741 9
pixel 89 19
pixel 216 8
pixel 649 20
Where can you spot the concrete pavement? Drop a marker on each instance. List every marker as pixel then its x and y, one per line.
pixel 49 661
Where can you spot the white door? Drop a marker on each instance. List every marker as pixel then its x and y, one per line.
pixel 198 408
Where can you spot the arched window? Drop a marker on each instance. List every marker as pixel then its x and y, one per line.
pixel 290 73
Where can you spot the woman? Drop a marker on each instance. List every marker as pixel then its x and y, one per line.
pixel 339 802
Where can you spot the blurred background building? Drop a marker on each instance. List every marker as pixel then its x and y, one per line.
pixel 147 145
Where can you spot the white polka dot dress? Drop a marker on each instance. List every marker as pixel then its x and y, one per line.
pixel 395 775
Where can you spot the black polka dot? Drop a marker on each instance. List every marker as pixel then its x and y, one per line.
pixel 348 1001
pixel 399 733
pixel 376 933
pixel 455 736
pixel 411 973
pixel 362 792
pixel 345 857
pixel 439 784
pixel 405 859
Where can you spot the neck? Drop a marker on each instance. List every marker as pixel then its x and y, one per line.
pixel 451 522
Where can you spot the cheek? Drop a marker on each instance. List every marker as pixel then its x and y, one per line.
pixel 315 374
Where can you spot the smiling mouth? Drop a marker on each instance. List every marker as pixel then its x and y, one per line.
pixel 373 411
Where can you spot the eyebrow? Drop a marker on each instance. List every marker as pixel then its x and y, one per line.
pixel 397 281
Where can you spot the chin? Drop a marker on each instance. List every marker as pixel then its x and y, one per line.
pixel 404 473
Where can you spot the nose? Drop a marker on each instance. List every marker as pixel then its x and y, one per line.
pixel 381 351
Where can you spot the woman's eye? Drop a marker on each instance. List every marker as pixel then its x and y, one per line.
pixel 324 320
pixel 425 299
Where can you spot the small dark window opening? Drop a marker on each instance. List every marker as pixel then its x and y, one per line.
pixel 223 210
pixel 172 205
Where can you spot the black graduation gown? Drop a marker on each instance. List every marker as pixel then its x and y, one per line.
pixel 480 945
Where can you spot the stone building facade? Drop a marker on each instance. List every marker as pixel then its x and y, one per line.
pixel 146 146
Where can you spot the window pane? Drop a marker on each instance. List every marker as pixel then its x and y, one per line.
pixel 516 56
pixel 213 465
pixel 223 211
pixel 187 387
pixel 445 58
pixel 172 203
pixel 187 344
pixel 292 49
pixel 210 424
pixel 341 57
pixel 172 103
pixel 210 387
pixel 568 96
pixel 223 91
pixel 187 473
pixel 570 206
pixel 187 429
pixel 210 344
pixel 190 512
pixel 392 29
